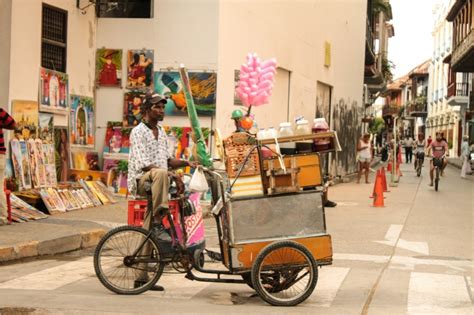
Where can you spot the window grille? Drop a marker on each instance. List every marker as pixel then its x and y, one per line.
pixel 54 38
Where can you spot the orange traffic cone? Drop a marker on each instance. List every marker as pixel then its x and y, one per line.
pixel 399 157
pixel 399 172
pixel 377 178
pixel 389 167
pixel 378 195
pixel 384 180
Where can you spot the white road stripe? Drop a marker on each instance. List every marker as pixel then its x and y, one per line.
pixel 53 278
pixel 393 232
pixel 430 293
pixel 329 283
pixel 392 236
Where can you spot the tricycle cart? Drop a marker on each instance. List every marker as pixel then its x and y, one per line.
pixel 273 243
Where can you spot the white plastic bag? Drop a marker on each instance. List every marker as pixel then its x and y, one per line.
pixel 198 181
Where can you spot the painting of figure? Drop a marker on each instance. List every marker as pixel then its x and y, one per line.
pixel 53 91
pixel 203 88
pixel 81 121
pixel 109 67
pixel 46 127
pixel 61 146
pixel 140 69
pixel 25 165
pixel 132 115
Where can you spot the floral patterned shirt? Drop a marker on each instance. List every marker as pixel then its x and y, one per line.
pixel 146 150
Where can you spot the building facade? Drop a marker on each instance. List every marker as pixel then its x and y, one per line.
pixel 319 70
pixel 443 116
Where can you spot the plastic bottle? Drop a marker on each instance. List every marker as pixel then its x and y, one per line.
pixel 286 131
pixel 303 129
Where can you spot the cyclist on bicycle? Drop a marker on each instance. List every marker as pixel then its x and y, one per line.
pixel 420 149
pixel 438 149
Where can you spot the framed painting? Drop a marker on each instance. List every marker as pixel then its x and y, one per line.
pixel 117 138
pixel 53 91
pixel 26 117
pixel 81 121
pixel 46 127
pixel 86 161
pixel 132 115
pixel 62 153
pixel 203 88
pixel 139 69
pixel 109 67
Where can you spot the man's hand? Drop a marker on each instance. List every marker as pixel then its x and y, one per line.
pixel 193 164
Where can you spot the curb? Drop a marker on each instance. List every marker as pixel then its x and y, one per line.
pixel 60 245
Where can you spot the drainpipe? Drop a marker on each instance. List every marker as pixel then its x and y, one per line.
pixel 394 177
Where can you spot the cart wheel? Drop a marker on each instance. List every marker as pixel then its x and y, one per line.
pixel 284 274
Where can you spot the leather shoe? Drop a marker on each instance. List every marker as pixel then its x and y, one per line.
pixel 330 204
pixel 139 283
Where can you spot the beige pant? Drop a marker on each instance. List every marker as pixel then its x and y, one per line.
pixel 159 191
pixel 3 201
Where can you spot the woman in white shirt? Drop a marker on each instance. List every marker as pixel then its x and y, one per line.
pixel 465 156
pixel 364 152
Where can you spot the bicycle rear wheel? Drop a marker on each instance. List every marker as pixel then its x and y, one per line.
pixel 125 255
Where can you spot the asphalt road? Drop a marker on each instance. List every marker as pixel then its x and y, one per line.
pixel 414 256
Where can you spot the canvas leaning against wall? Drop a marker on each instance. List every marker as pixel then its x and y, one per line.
pixel 61 147
pixel 53 91
pixel 46 127
pixel 25 114
pixel 108 67
pixel 139 69
pixel 203 88
pixel 81 121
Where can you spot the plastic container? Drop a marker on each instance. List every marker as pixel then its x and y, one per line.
pixel 303 129
pixel 263 134
pixel 286 131
pixel 320 125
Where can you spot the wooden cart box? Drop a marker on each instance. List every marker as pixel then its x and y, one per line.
pixel 309 166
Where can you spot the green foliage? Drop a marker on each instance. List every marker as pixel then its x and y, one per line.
pixel 387 67
pixel 382 6
pixel 377 126
pixel 122 166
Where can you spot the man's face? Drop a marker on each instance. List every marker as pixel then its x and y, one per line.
pixel 158 111
pixel 438 137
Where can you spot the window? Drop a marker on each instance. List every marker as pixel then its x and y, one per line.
pixel 54 38
pixel 124 9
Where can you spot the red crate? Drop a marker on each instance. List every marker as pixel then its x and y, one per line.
pixel 136 212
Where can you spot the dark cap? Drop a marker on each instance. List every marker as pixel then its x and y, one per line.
pixel 155 99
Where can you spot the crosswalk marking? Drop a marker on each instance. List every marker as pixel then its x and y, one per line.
pixel 329 283
pixel 430 293
pixel 53 278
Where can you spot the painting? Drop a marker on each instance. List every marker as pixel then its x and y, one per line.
pixel 50 164
pixel 53 91
pixel 77 175
pixel 117 138
pixel 139 69
pixel 180 142
pixel 116 166
pixel 37 163
pixel 132 115
pixel 237 101
pixel 20 152
pixel 86 161
pixel 46 127
pixel 61 148
pixel 109 67
pixel 25 114
pixel 203 88
pixel 81 121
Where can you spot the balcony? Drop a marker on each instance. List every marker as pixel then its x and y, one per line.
pixel 458 94
pixel 369 45
pixel 390 110
pixel 418 107
pixel 462 59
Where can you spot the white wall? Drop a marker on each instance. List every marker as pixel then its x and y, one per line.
pixel 294 32
pixel 25 58
pixel 182 31
pixel 5 37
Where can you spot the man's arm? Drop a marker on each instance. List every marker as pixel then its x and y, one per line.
pixel 6 121
pixel 175 163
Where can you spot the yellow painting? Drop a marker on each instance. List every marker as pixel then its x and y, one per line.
pixel 26 117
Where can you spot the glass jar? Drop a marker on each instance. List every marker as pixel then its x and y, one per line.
pixel 303 129
pixel 286 131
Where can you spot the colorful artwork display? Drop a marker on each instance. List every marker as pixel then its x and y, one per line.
pixel 61 147
pixel 81 121
pixel 140 69
pixel 46 127
pixel 132 115
pixel 116 166
pixel 117 138
pixel 109 67
pixel 203 87
pixel 181 144
pixel 87 161
pixel 37 165
pixel 26 117
pixel 50 164
pixel 21 164
pixel 53 91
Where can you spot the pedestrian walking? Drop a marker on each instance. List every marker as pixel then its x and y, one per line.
pixel 428 141
pixel 466 157
pixel 364 158
pixel 6 122
pixel 408 150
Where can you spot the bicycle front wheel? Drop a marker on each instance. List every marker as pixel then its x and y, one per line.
pixel 126 262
